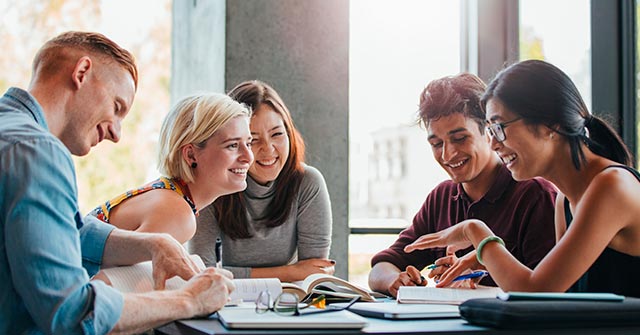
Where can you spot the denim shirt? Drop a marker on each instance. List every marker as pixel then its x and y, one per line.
pixel 47 253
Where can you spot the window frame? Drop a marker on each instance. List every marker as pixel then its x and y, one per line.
pixel 613 67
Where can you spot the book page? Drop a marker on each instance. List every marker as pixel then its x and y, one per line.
pixel 338 287
pixel 138 278
pixel 295 289
pixel 454 296
pixel 327 284
pixel 248 289
pixel 328 280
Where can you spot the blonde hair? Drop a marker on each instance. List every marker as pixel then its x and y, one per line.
pixel 193 120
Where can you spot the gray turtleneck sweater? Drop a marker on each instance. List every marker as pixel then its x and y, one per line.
pixel 306 233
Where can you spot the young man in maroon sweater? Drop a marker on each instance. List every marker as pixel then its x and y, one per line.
pixel 521 213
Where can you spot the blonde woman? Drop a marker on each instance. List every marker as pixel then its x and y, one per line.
pixel 280 226
pixel 205 152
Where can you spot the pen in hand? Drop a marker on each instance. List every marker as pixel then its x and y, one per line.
pixel 432 266
pixel 475 274
pixel 218 253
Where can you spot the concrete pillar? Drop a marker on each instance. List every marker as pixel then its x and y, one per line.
pixel 301 49
pixel 298 47
pixel 197 47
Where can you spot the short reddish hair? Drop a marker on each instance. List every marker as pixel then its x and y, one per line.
pixel 95 43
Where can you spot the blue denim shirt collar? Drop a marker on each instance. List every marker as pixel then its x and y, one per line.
pixel 24 98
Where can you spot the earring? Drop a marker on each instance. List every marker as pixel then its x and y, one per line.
pixel 194 165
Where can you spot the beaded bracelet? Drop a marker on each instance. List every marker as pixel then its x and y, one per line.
pixel 483 242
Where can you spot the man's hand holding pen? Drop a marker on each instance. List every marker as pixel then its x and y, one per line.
pixel 410 277
pixel 415 276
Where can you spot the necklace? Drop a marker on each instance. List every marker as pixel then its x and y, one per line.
pixel 186 194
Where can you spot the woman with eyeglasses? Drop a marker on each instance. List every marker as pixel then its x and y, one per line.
pixel 280 226
pixel 540 126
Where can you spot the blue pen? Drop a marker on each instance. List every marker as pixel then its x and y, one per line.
pixel 432 266
pixel 471 275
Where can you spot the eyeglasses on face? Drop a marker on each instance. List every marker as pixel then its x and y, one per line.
pixel 287 304
pixel 496 130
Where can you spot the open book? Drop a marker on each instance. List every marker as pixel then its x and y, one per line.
pixel 138 278
pixel 435 295
pixel 334 288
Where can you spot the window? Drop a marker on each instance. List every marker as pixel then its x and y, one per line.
pixel 637 64
pixel 109 169
pixel 396 48
pixel 559 32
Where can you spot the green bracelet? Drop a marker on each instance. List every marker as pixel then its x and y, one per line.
pixel 482 243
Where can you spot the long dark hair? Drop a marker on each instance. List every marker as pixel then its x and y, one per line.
pixel 230 210
pixel 540 93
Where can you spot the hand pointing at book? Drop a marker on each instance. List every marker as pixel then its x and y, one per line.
pixel 459 236
pixel 444 270
pixel 454 236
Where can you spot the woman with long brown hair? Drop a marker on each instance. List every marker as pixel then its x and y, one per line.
pixel 280 226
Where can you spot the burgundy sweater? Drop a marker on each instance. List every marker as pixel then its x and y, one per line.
pixel 521 213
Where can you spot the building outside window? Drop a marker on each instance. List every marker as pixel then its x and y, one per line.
pixel 396 48
pixel 418 42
